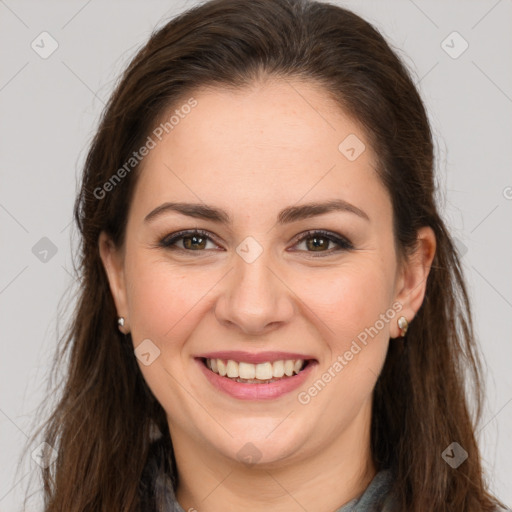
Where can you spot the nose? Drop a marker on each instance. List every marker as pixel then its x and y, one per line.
pixel 255 298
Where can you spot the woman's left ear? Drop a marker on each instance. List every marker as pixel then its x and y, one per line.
pixel 412 283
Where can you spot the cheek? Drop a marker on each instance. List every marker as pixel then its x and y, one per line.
pixel 348 299
pixel 354 338
pixel 161 297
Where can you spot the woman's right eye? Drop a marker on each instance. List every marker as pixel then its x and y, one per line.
pixel 192 240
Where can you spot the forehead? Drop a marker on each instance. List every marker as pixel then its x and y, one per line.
pixel 272 122
pixel 272 143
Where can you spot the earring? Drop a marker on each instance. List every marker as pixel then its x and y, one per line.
pixel 120 321
pixel 403 324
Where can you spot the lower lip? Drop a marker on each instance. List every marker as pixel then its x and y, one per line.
pixel 246 391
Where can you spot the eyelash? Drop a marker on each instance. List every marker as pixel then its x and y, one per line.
pixel 343 243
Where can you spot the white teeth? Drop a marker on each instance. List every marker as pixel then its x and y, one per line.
pixel 246 371
pixel 232 369
pixel 278 368
pixel 288 367
pixel 262 371
pixel 221 367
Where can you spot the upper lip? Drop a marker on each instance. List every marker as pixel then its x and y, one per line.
pixel 254 358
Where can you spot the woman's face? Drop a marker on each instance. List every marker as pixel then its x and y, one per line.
pixel 256 284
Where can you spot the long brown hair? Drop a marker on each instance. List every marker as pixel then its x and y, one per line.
pixel 101 427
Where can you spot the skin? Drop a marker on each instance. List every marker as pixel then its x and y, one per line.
pixel 254 152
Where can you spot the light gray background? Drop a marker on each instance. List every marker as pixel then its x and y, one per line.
pixel 49 109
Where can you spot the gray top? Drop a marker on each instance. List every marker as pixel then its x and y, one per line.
pixel 375 498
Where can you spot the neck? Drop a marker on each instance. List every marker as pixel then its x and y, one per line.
pixel 324 481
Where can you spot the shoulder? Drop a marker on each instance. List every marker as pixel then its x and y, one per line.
pixel 390 505
pixel 389 502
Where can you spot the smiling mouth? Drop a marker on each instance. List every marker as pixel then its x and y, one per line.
pixel 262 373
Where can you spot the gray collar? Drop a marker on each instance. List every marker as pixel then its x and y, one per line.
pixel 375 498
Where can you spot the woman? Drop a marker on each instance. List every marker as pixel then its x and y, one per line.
pixel 272 312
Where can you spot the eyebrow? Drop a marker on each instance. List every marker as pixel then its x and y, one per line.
pixel 285 216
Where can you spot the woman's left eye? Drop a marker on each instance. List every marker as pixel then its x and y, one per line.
pixel 319 240
pixel 196 241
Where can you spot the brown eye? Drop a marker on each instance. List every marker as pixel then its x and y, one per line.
pixel 194 242
pixel 191 241
pixel 319 241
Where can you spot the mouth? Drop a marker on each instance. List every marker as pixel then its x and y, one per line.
pixel 260 380
pixel 261 373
